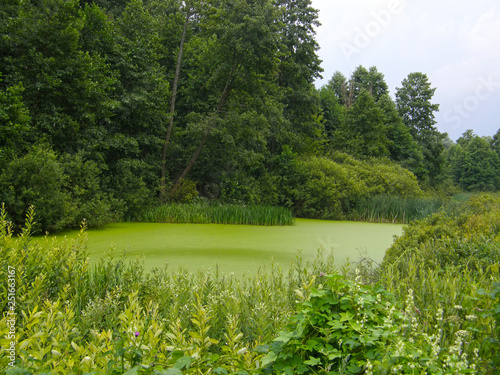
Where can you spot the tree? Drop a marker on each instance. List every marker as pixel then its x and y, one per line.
pixel 413 101
pixel 235 60
pixel 339 87
pixel 495 144
pixel 66 89
pixel 474 164
pixel 188 12
pixel 332 110
pixel 37 179
pixel 401 145
pixel 363 132
pixel 299 66
pixel 370 80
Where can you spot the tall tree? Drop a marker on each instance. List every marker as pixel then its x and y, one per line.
pixel 413 100
pixel 414 103
pixel 65 88
pixel 299 67
pixel 370 80
pixel 474 164
pixel 240 58
pixel 401 145
pixel 339 87
pixel 495 143
pixel 14 123
pixel 363 132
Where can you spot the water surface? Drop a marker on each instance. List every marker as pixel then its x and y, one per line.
pixel 239 248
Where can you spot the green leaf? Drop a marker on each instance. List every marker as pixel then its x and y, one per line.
pixel 312 361
pixel 284 337
pixel 355 325
pixel 346 316
pixel 183 363
pixel 270 357
pixel 336 324
pixel 132 371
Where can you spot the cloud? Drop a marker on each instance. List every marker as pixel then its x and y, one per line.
pixel 454 43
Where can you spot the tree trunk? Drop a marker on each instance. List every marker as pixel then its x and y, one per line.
pixel 172 109
pixel 220 105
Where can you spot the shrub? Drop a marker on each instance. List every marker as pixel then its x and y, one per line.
pixel 341 329
pixel 37 179
pixel 465 234
pixel 332 188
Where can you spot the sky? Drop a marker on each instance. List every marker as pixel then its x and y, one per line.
pixel 455 43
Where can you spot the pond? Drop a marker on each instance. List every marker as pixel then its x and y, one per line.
pixel 239 248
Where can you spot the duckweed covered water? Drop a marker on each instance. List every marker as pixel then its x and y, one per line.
pixel 238 248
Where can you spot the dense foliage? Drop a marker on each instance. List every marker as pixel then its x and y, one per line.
pixel 426 310
pixel 115 107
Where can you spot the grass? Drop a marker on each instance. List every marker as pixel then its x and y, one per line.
pixel 198 213
pixel 393 209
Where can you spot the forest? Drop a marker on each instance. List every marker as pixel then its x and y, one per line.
pixel 200 111
pixel 108 108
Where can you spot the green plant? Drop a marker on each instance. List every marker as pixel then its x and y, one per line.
pixel 202 213
pixel 341 328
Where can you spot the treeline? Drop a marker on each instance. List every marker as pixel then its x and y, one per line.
pixel 109 107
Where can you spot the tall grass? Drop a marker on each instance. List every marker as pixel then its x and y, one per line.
pixel 198 213
pixel 394 209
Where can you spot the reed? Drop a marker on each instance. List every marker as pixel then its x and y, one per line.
pixel 202 213
pixel 394 209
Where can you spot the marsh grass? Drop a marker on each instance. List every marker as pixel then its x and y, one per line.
pixel 204 213
pixel 393 209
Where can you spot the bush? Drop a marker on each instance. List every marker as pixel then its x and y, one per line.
pixel 186 193
pixel 342 328
pixel 332 188
pixel 88 201
pixel 37 179
pixel 465 234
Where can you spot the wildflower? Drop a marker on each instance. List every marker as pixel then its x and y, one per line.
pixel 471 317
pixel 458 307
pixel 369 368
pixel 322 274
pixel 137 334
pixel 439 315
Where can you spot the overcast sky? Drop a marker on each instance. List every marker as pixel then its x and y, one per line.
pixel 456 43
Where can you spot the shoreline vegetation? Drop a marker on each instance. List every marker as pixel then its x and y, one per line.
pixel 204 213
pixel 377 209
pixel 432 306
